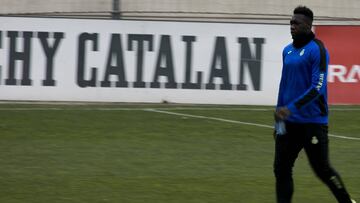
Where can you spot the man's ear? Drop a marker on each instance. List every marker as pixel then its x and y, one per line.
pixel 309 26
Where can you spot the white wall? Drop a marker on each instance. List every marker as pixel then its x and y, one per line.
pixel 274 11
pixel 66 61
pixel 42 6
pixel 333 8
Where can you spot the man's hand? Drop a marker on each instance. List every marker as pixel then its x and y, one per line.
pixel 282 113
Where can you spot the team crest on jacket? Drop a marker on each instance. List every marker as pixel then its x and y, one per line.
pixel 314 140
pixel 302 52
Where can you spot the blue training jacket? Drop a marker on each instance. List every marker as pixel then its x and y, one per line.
pixel 303 85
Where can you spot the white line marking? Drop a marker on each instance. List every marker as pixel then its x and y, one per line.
pixel 234 121
pixel 209 118
pixel 173 113
pixel 242 108
pixel 344 137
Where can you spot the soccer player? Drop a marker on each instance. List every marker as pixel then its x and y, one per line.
pixel 302 113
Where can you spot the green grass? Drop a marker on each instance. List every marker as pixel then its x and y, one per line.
pixel 88 154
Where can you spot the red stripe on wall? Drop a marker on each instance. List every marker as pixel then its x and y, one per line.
pixel 343 44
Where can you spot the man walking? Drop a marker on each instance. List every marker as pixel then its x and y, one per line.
pixel 302 113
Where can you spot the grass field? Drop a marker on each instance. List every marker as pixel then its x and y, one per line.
pixel 136 154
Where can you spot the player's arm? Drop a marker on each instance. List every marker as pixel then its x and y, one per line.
pixel 318 81
pixel 282 82
pixel 280 106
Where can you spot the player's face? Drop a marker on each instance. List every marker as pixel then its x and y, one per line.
pixel 299 26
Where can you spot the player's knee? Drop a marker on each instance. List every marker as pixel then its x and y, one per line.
pixel 282 173
pixel 324 172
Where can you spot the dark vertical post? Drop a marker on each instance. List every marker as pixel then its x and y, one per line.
pixel 116 9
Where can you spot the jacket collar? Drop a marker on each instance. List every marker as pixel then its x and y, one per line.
pixel 303 40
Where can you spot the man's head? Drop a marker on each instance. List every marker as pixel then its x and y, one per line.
pixel 301 22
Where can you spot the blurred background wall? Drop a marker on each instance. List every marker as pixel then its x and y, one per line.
pixel 342 43
pixel 274 11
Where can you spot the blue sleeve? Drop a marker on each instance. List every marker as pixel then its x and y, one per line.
pixel 319 60
pixel 281 86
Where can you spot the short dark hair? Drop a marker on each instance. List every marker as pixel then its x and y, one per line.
pixel 305 11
